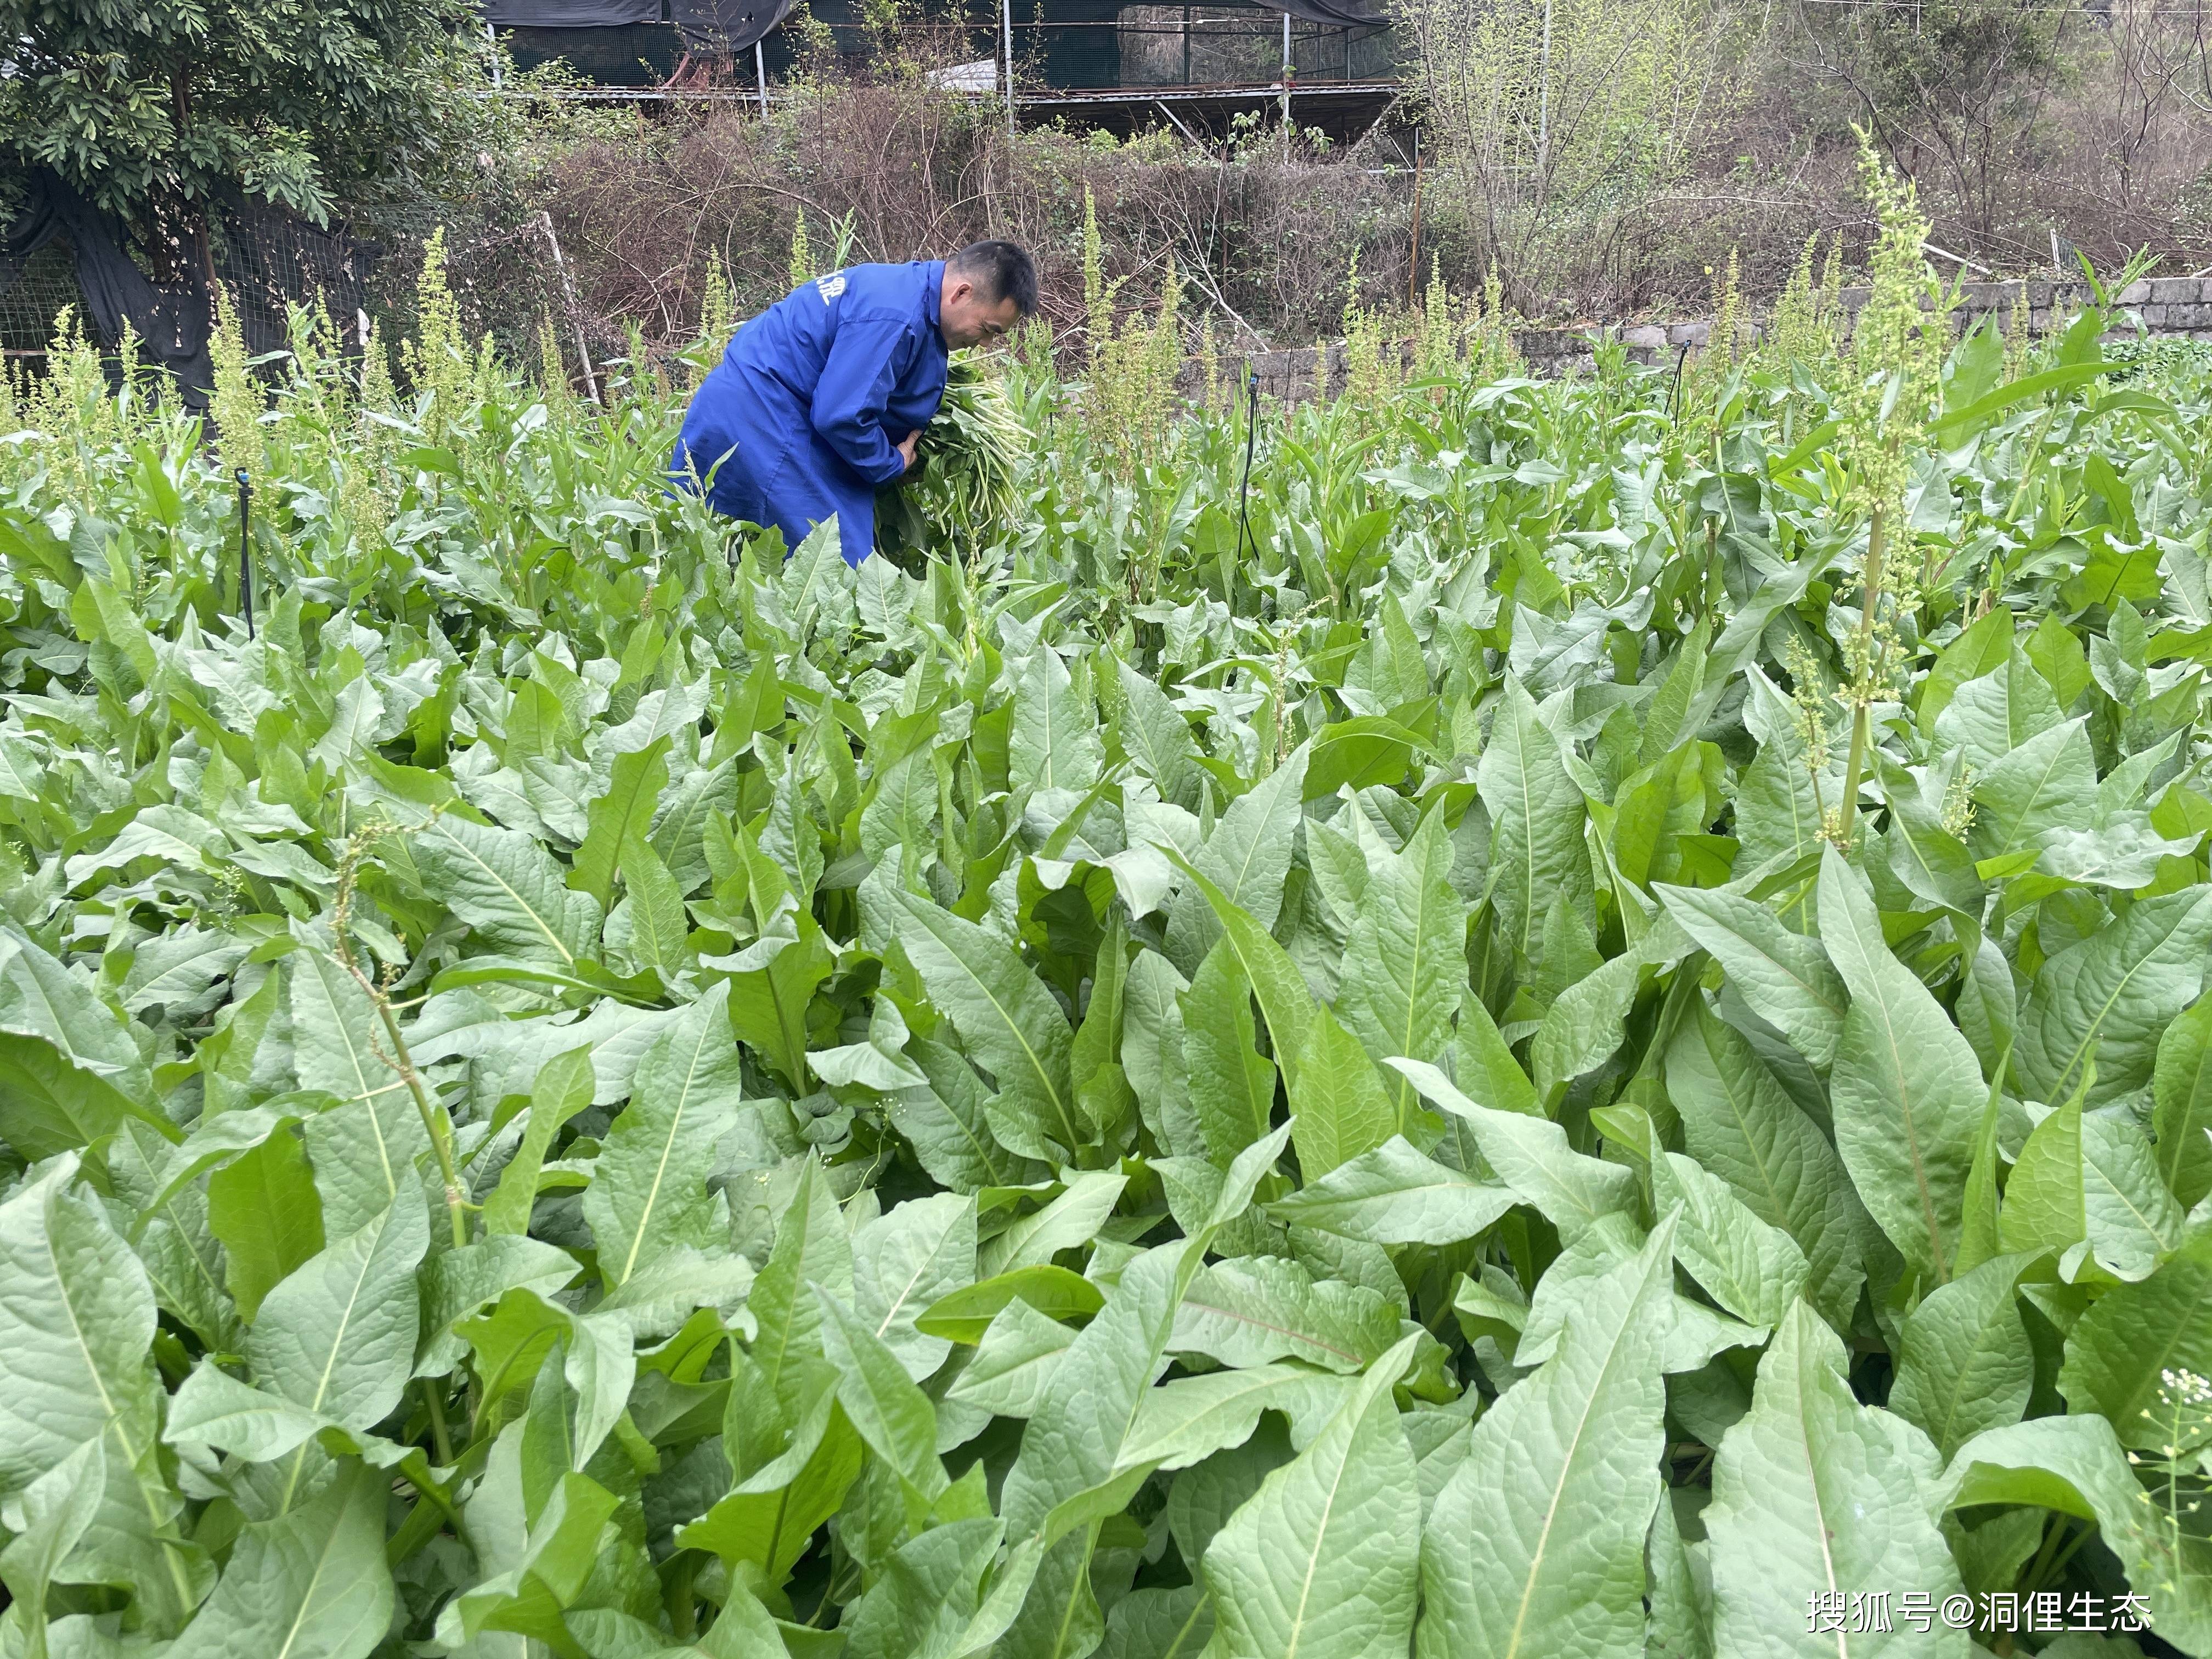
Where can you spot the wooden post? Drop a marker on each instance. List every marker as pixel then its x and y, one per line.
pixel 575 308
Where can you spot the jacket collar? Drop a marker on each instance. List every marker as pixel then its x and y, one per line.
pixel 932 289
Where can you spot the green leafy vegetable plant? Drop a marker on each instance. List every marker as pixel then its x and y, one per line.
pixel 1576 1028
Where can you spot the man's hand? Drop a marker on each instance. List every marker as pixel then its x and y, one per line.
pixel 906 448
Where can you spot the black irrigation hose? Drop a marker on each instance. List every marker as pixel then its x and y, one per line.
pixel 1245 489
pixel 245 546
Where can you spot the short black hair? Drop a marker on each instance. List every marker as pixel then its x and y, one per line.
pixel 1003 271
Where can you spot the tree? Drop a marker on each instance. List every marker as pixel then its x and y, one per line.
pixel 1957 92
pixel 156 110
pixel 1556 121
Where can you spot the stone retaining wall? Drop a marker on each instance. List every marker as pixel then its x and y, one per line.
pixel 2170 305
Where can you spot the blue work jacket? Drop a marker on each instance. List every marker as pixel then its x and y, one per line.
pixel 800 419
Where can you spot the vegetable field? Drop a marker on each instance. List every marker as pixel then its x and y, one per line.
pixel 1579 1033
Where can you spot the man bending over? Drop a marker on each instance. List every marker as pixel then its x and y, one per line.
pixel 819 400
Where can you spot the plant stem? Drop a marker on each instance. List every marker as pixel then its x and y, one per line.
pixel 441 1441
pixel 1863 693
pixel 682 1603
pixel 436 1123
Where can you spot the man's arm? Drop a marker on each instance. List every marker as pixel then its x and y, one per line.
pixel 849 400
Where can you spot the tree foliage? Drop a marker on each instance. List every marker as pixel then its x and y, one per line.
pixel 155 111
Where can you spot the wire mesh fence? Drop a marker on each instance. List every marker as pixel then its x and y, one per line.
pixel 33 301
pixel 266 261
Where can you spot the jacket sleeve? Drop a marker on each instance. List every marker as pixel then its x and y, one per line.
pixel 857 378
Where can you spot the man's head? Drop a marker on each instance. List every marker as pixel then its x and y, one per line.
pixel 988 287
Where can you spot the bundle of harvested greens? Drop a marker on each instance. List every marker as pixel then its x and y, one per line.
pixel 961 496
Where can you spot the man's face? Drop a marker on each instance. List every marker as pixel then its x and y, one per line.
pixel 967 318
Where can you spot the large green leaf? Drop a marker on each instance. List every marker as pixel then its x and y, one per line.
pixel 1395 1195
pixel 310 1584
pixel 2132 1337
pixel 902 1262
pixel 891 1413
pixel 1232 1085
pixel 2086 1186
pixel 1285 1000
pixel 1907 1091
pixel 51 1106
pixel 1322 1562
pixel 562 1087
pixel 1740 1125
pixel 1055 741
pixel 1188 1420
pixel 619 819
pixel 2181 1118
pixel 337 1336
pixel 1247 858
pixel 264 1209
pixel 1341 1110
pixel 1751 1268
pixel 56 1511
pixel 1154 734
pixel 648 1193
pixel 1535 1544
pixel 1784 977
pixel 1404 962
pixel 2111 998
pixel 1536 811
pixel 2075 1465
pixel 1531 1156
pixel 1252 1310
pixel 507 888
pixel 1003 1013
pixel 1965 1364
pixel 1070 1470
pixel 77 1323
pixel 364 1148
pixel 39 998
pixel 2046 783
pixel 1814 1493
pixel 811 1249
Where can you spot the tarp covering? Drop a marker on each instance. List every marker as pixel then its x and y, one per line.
pixel 1355 13
pixel 172 322
pixel 727 25
pixel 266 260
pixel 711 25
pixel 570 14
pixel 734 25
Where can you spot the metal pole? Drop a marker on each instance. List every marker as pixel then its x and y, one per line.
pixel 1006 29
pixel 492 35
pixel 1287 73
pixel 760 69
